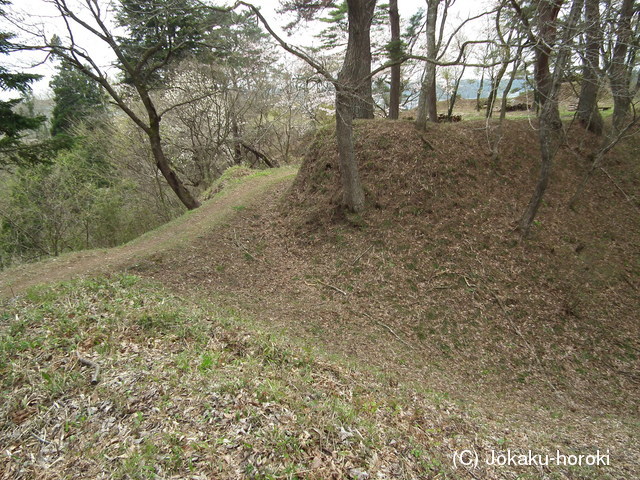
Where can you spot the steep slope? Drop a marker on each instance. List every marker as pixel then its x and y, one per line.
pixel 448 332
pixel 432 287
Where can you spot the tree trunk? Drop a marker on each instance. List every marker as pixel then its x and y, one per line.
pixel 237 143
pixel 495 86
pixel 588 113
pixel 271 163
pixel 547 13
pixel 427 106
pixel 352 192
pixel 167 172
pixel 507 89
pixel 394 94
pixel 454 94
pixel 547 86
pixel 547 136
pixel 360 14
pixel 619 71
pixel 479 92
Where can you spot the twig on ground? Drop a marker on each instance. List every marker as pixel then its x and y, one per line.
pixel 298 472
pixel 626 279
pixel 91 364
pixel 320 282
pixel 332 287
pixel 41 440
pixel 631 202
pixel 469 284
pixel 242 247
pixel 384 325
pixel 470 472
pixel 438 287
pixel 361 255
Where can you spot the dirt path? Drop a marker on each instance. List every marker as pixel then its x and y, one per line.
pixel 176 233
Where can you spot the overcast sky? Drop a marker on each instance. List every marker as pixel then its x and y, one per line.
pixel 41 13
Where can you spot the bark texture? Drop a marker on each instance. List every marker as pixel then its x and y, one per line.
pixel 620 71
pixel 394 93
pixel 427 107
pixel 549 115
pixel 495 84
pixel 588 113
pixel 352 192
pixel 507 88
pixel 349 104
pixel 168 173
pixel 547 86
pixel 358 56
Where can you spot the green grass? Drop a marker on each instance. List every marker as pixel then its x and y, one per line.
pixel 184 389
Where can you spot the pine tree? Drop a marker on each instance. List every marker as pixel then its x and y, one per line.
pixel 159 32
pixel 14 126
pixel 76 97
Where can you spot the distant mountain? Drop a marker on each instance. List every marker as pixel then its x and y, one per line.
pixel 468 89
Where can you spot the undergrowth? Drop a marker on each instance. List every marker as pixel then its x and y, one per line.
pixel 182 390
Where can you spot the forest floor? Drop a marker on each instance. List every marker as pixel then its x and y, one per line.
pixel 318 344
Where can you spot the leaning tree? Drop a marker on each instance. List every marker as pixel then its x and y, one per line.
pixel 158 33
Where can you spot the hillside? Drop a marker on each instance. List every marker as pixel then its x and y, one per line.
pixel 442 331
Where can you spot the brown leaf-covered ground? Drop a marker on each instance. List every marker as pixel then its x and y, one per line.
pixel 432 300
pixel 432 285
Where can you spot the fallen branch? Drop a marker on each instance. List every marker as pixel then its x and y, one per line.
pixel 384 325
pixel 624 277
pixel 361 255
pixel 91 364
pixel 259 155
pixel 320 282
pixel 332 287
pixel 41 440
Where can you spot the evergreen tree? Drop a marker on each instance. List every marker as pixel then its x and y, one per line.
pixel 76 97
pixel 159 32
pixel 14 126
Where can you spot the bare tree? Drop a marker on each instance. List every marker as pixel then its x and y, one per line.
pixel 547 86
pixel 517 62
pixel 504 53
pixel 348 88
pixel 138 70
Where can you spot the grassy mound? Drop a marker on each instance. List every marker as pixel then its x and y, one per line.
pixel 559 310
pixel 431 288
pixel 391 339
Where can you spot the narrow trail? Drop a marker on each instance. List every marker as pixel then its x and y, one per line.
pixel 181 231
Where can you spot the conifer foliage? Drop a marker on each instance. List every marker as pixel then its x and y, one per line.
pixel 13 125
